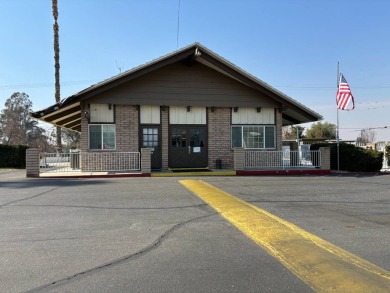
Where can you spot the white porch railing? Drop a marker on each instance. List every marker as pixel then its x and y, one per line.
pixel 385 165
pixel 89 162
pixel 255 159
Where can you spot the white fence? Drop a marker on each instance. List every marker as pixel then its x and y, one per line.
pixel 255 159
pixel 89 162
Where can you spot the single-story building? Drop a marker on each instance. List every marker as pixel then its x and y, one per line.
pixel 191 107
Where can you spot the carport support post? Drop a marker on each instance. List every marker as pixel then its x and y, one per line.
pixel 239 159
pixel 32 162
pixel 325 158
pixel 146 158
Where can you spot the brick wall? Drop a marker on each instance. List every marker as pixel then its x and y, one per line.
pixel 219 137
pixel 32 162
pixel 219 133
pixel 146 154
pixel 127 137
pixel 84 129
pixel 126 120
pixel 325 158
pixel 239 159
pixel 127 134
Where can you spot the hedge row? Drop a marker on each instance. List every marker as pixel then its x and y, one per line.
pixel 352 158
pixel 13 156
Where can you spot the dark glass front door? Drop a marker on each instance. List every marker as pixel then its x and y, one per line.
pixel 188 146
pixel 150 138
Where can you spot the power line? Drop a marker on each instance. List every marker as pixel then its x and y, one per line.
pixel 178 26
pixel 291 86
pixel 46 84
pixel 365 128
pixel 296 86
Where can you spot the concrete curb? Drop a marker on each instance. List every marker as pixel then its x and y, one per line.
pixel 96 176
pixel 282 172
pixel 223 173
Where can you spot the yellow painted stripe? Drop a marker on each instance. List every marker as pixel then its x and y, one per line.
pixel 320 264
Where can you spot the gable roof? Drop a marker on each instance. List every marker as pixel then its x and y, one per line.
pixel 67 113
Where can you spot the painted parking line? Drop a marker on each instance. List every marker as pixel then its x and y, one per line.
pixel 320 264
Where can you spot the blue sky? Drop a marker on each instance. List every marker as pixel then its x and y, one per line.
pixel 293 45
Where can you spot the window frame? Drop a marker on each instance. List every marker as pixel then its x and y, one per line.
pixel 102 136
pixel 265 143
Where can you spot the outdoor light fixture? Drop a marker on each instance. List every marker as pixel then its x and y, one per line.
pixel 109 106
pixel 258 109
pixel 235 109
pixel 188 108
pixel 86 114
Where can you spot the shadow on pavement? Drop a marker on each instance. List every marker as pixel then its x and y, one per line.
pixel 29 183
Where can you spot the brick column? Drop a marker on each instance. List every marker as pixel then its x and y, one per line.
pixel 127 133
pixel 219 133
pixel 279 125
pixel 164 137
pixel 32 162
pixel 84 129
pixel 146 158
pixel 239 159
pixel 325 158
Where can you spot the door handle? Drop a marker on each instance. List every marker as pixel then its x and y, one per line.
pixel 189 150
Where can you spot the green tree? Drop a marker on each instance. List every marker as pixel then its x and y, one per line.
pixel 290 132
pixel 57 67
pixel 367 136
pixel 322 130
pixel 71 139
pixel 16 126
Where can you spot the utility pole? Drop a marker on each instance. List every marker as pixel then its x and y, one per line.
pixel 57 69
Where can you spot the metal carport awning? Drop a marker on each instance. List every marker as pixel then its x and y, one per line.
pixel 68 116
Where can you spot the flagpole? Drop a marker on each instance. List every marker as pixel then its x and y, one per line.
pixel 338 127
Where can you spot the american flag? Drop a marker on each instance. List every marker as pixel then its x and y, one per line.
pixel 344 95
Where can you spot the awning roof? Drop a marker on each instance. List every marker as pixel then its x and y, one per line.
pixel 67 113
pixel 61 114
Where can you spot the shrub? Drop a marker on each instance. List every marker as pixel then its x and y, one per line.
pixel 352 158
pixel 13 156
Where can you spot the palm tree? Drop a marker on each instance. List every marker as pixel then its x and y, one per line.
pixel 57 67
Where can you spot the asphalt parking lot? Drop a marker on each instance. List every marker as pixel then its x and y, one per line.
pixel 154 235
